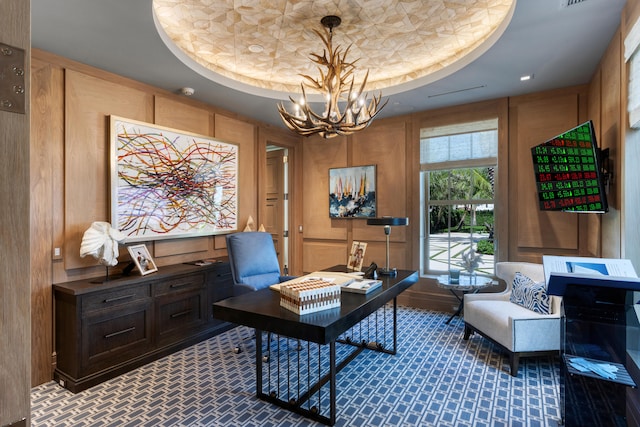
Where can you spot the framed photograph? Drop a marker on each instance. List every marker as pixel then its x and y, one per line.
pixel 141 257
pixel 356 256
pixel 166 183
pixel 352 192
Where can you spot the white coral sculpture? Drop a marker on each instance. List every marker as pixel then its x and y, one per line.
pixel 471 260
pixel 101 242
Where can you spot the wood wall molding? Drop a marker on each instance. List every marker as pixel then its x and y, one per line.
pixel 47 160
pixel 89 101
pixel 385 144
pixel 245 135
pixel 319 155
pixel 186 117
pixel 293 143
pixel 627 170
pixel 609 136
pixel 532 120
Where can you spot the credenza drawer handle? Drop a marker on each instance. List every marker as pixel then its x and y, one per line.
pixel 183 313
pixel 179 285
pixel 124 331
pixel 118 298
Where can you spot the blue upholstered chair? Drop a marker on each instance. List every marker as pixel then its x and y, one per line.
pixel 254 263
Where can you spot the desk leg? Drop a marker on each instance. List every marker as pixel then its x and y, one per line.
pixel 332 382
pixel 395 326
pixel 258 363
pixel 287 389
pixel 293 395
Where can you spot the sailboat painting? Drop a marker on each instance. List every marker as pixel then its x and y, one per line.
pixel 352 192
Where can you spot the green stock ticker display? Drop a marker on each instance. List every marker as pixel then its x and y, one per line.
pixel 567 172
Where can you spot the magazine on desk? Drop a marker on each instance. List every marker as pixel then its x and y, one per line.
pixel 606 270
pixel 362 286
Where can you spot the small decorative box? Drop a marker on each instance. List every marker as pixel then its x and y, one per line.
pixel 309 295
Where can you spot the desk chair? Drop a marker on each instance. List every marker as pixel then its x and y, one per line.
pixel 254 264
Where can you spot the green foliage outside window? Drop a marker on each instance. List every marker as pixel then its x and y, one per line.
pixel 485 246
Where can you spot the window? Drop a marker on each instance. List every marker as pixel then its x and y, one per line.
pixel 458 167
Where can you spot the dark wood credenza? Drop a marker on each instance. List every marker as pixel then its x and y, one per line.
pixel 106 328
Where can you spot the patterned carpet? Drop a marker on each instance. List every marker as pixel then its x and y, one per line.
pixel 436 379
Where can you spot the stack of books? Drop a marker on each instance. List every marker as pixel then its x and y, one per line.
pixel 309 295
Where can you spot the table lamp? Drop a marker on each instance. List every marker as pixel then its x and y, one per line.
pixel 388 222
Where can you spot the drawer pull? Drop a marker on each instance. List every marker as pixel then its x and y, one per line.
pixel 124 331
pixel 182 313
pixel 108 300
pixel 179 285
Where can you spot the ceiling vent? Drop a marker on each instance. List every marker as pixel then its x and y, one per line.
pixel 567 3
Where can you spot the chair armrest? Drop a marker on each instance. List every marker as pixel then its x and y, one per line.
pixel 489 296
pixel 286 278
pixel 536 334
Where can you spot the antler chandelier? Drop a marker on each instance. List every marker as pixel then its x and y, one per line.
pixel 337 86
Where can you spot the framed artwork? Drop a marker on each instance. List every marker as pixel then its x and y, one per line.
pixel 356 255
pixel 167 183
pixel 352 192
pixel 141 257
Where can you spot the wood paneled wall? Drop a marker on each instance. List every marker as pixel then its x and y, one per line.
pixel 88 103
pixel 608 81
pixel 47 159
pixel 534 119
pixel 627 171
pixel 15 244
pixel 327 241
pixel 627 174
pixel 523 232
pixel 71 171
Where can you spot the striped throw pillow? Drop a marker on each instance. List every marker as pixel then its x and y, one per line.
pixel 530 294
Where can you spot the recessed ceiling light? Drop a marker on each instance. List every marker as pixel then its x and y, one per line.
pixel 255 48
pixel 526 77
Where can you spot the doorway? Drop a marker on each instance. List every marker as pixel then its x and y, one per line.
pixel 276 221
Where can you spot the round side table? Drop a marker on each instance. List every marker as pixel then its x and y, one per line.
pixel 467 284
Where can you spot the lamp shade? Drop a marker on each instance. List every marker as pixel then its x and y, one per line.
pixel 388 220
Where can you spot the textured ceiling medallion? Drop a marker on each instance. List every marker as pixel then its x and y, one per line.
pixel 403 43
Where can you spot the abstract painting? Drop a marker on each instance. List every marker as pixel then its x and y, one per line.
pixel 352 192
pixel 166 183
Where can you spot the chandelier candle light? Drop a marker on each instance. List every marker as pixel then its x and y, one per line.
pixel 336 84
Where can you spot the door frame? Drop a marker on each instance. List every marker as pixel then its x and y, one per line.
pixel 281 138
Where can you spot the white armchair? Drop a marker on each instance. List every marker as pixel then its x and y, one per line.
pixel 516 329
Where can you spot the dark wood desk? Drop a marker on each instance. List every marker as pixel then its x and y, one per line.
pixel 261 310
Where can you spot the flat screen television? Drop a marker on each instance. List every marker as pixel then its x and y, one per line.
pixel 568 172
